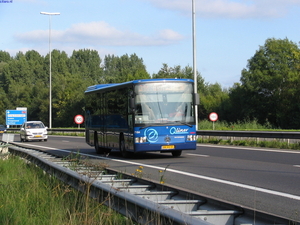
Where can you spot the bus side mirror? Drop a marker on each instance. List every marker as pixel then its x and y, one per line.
pixel 131 103
pixel 197 99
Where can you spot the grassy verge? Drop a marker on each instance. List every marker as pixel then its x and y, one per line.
pixel 241 125
pixel 77 134
pixel 251 142
pixel 246 126
pixel 28 196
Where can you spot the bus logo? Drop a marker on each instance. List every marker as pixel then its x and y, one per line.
pixel 151 134
pixel 175 130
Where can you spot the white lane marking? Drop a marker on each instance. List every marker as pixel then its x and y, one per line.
pixel 253 188
pixel 296 165
pixel 251 149
pixel 198 155
pixel 282 194
pixel 65 136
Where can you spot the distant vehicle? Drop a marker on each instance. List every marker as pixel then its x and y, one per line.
pixel 2 129
pixel 33 130
pixel 141 116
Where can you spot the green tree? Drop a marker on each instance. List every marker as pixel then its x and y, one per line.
pixel 125 68
pixel 178 72
pixel 5 56
pixel 4 59
pixel 271 84
pixel 211 100
pixel 88 63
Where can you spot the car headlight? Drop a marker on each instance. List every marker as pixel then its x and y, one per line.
pixel 140 139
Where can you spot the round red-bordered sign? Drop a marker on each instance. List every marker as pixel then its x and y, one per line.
pixel 78 119
pixel 213 116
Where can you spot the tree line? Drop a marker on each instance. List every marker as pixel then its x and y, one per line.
pixel 268 91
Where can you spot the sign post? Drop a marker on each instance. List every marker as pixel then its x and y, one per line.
pixel 213 117
pixel 78 119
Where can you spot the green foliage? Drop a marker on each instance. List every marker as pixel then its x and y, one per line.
pixel 211 98
pixel 250 142
pixel 4 56
pixel 28 196
pixel 269 91
pixel 125 68
pixel 24 81
pixel 211 95
pixel 269 88
pixel 178 72
pixel 239 125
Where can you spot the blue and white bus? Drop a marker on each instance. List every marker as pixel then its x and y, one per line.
pixel 141 116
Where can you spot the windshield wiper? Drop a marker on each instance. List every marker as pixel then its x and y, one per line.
pixel 184 123
pixel 146 126
pixel 167 123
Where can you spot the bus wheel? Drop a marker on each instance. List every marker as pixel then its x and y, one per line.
pixel 97 148
pixel 123 151
pixel 176 153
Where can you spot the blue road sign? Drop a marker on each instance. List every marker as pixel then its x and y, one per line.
pixel 16 117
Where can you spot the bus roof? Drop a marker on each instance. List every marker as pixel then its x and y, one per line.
pixel 116 85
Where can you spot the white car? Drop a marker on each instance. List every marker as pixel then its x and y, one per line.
pixel 33 130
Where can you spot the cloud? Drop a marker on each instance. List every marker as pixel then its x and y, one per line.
pixel 232 9
pixel 100 34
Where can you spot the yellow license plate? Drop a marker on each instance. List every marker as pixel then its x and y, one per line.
pixel 38 136
pixel 167 147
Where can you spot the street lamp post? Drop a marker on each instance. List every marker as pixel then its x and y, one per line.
pixel 194 59
pixel 50 75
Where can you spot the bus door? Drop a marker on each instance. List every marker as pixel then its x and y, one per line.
pixel 103 113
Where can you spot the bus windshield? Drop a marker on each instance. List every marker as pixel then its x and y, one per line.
pixel 164 103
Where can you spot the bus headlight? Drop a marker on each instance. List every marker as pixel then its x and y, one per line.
pixel 140 139
pixel 191 137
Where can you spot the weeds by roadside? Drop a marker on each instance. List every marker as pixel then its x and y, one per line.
pixel 251 142
pixel 162 178
pixel 28 196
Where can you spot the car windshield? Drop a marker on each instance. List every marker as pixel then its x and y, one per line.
pixel 35 125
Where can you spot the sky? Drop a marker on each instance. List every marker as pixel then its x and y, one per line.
pixel 228 32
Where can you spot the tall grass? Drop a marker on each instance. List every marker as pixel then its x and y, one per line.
pixel 28 196
pixel 240 125
pixel 247 126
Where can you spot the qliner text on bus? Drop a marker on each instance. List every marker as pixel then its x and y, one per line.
pixel 141 115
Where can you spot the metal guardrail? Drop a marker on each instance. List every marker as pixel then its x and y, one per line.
pixel 132 206
pixel 53 130
pixel 253 134
pixel 222 133
pixel 142 200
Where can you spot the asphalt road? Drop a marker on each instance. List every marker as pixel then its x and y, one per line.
pixel 267 180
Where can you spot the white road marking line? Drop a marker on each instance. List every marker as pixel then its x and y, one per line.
pixel 296 165
pixel 249 187
pixel 198 155
pixel 251 149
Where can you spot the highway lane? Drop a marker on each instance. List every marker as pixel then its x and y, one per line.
pixel 261 179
